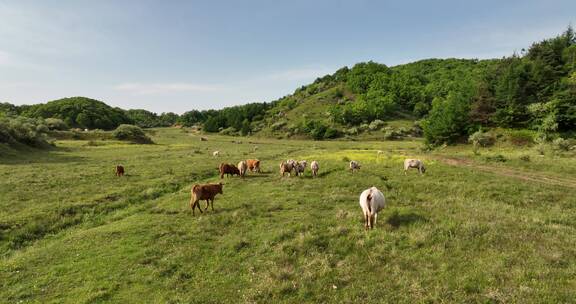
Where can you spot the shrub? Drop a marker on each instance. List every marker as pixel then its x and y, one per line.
pixel 416 130
pixel 21 130
pixel 376 125
pixel 318 132
pixel 520 137
pixel 482 139
pixel 131 133
pixel 447 121
pixel 352 131
pixel 229 131
pixel 278 125
pixel 561 144
pixel 55 124
pixel 331 133
pixel 391 134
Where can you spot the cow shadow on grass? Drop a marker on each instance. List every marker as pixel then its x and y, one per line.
pixel 324 173
pixel 397 219
pixel 257 175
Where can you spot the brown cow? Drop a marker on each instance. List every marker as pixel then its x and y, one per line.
pixel 286 168
pixel 205 192
pixel 253 165
pixel 228 169
pixel 119 170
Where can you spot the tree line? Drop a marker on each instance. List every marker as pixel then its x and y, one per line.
pixel 451 98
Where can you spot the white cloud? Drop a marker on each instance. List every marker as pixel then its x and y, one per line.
pixel 162 88
pixel 5 59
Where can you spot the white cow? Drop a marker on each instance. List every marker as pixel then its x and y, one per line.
pixel 371 201
pixel 216 153
pixel 242 167
pixel 314 166
pixel 354 165
pixel 414 163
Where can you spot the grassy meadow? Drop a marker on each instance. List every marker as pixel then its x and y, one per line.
pixel 470 230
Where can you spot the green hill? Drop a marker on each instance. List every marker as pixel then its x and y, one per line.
pixel 368 92
pixel 447 98
pixel 79 112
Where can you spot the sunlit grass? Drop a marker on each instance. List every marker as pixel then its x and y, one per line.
pixel 72 232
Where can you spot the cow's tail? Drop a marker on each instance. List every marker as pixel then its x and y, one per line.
pixel 368 200
pixel 193 194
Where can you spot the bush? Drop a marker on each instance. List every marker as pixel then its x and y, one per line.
pixel 55 124
pixel 318 132
pixel 331 133
pixel 22 130
pixel 416 130
pixel 131 133
pixel 278 125
pixel 561 144
pixel 447 121
pixel 229 131
pixel 391 134
pixel 482 139
pixel 352 131
pixel 376 125
pixel 520 137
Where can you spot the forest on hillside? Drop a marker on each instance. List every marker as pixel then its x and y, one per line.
pixel 448 98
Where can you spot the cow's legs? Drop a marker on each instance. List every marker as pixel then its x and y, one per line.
pixel 207 204
pixel 366 221
pixel 194 204
pixel 212 203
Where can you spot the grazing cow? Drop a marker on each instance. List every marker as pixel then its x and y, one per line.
pixel 354 165
pixel 205 192
pixel 119 170
pixel 286 167
pixel 414 163
pixel 299 167
pixel 228 169
pixel 216 153
pixel 203 139
pixel 371 201
pixel 242 167
pixel 314 166
pixel 253 165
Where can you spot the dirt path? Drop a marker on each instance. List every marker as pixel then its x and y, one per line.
pixel 522 175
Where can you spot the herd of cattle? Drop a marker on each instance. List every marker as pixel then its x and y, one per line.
pixel 371 200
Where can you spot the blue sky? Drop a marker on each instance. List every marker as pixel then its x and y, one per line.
pixel 182 55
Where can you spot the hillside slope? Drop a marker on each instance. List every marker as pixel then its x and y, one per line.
pixel 367 92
